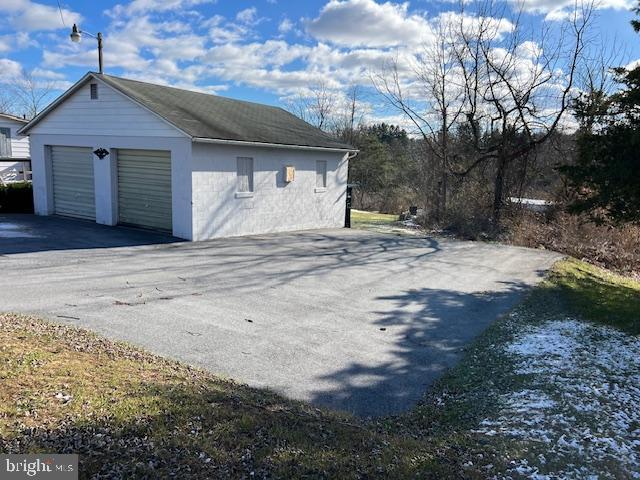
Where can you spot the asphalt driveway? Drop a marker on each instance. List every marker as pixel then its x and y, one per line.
pixel 352 320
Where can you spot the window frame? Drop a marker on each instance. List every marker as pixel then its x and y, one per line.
pixel 321 173
pixel 240 191
pixel 93 91
pixel 6 152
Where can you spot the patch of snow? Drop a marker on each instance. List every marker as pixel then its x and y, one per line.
pixel 398 228
pixel 581 408
pixel 410 223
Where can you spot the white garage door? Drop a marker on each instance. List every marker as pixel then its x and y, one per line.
pixel 73 187
pixel 144 188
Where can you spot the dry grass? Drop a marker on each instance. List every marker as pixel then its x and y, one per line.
pixel 131 414
pixel 614 248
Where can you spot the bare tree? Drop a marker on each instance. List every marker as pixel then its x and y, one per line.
pixel 350 113
pixel 432 100
pixel 508 88
pixel 31 94
pixel 317 106
pixel 515 99
pixel 6 101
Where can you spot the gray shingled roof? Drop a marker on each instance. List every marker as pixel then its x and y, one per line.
pixel 210 116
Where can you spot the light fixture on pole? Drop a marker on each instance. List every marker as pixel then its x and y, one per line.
pixel 76 36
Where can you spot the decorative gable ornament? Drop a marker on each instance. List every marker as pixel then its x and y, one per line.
pixel 101 153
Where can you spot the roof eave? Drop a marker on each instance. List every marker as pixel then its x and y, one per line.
pixel 13 118
pixel 220 141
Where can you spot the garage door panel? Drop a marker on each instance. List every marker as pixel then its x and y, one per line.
pixel 75 186
pixel 144 188
pixel 147 172
pixel 73 183
pixel 155 181
pixel 158 192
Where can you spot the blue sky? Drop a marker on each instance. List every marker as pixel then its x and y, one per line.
pixel 265 51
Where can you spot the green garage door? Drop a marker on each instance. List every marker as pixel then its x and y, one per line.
pixel 73 187
pixel 144 188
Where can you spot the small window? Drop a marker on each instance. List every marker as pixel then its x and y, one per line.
pixel 321 174
pixel 245 174
pixel 94 91
pixel 5 142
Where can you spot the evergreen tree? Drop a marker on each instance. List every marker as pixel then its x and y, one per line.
pixel 606 176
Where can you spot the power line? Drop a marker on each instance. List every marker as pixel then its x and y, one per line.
pixel 61 17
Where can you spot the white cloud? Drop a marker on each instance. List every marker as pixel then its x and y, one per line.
pixel 221 31
pixel 247 16
pixel 496 27
pixel 16 41
pixel 5 43
pixel 9 70
pixel 289 69
pixel 47 74
pixel 367 23
pixel 24 40
pixel 129 46
pixel 558 15
pixel 633 65
pixel 544 6
pixel 162 41
pixel 559 10
pixel 285 25
pixel 254 55
pixel 30 16
pixel 144 6
pixel 529 50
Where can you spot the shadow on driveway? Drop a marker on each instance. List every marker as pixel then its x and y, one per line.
pixel 24 233
pixel 430 329
pixel 352 320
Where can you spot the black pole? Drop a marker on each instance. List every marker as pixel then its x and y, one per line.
pixel 347 215
pixel 100 52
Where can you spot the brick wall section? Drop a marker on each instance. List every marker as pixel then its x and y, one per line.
pixel 275 205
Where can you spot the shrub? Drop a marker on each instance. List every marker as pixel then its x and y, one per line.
pixel 614 247
pixel 16 198
pixel 467 214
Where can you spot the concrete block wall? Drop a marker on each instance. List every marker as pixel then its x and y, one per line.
pixel 275 205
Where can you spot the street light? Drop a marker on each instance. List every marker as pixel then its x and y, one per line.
pixel 76 36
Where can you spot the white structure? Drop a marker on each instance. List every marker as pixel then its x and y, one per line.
pixel 14 149
pixel 532 204
pixel 119 151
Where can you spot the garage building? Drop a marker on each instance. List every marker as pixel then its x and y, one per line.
pixel 120 151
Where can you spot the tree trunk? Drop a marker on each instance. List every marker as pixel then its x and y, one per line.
pixel 443 202
pixel 498 192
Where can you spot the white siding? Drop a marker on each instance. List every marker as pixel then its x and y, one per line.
pixel 111 114
pixel 19 144
pixel 275 206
